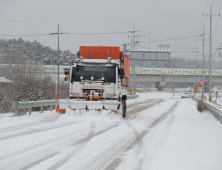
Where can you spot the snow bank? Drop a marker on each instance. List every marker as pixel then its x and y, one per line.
pixel 193 141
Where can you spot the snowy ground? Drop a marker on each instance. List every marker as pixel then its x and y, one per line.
pixel 165 134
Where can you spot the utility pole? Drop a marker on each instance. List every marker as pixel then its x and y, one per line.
pixel 210 54
pixel 210 76
pixel 203 62
pixel 58 33
pixel 173 85
pixel 133 37
pixel 219 54
pixel 195 67
pixel 10 59
pixel 133 46
pixel 149 41
pixel 134 40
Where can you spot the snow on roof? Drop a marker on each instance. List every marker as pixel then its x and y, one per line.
pixel 5 80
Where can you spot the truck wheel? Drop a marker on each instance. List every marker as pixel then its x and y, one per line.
pixel 124 108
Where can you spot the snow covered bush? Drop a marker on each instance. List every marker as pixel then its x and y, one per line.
pixel 201 106
pixel 28 83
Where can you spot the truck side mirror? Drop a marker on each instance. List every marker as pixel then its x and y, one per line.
pixel 121 73
pixel 66 71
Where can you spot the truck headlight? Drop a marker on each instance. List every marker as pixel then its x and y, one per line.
pixel 74 94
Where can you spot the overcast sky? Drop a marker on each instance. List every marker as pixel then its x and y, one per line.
pixel 161 19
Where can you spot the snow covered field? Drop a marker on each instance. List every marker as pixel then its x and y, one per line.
pixel 169 135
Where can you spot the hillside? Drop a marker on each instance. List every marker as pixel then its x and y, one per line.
pixel 19 49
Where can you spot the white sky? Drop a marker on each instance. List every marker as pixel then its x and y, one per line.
pixel 163 19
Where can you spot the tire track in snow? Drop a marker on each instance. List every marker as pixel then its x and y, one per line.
pixel 24 126
pixel 38 130
pixel 85 141
pixel 80 145
pixel 91 135
pixel 61 140
pixel 139 139
pixel 145 105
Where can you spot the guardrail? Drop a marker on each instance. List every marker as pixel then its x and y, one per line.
pixel 216 112
pixel 132 96
pixel 21 105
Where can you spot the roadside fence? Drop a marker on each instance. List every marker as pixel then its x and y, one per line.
pixel 22 105
pixel 213 109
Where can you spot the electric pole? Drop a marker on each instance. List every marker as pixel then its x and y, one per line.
pixel 210 76
pixel 210 54
pixel 203 62
pixel 133 46
pixel 10 59
pixel 58 33
pixel 195 67
pixel 134 43
pixel 149 41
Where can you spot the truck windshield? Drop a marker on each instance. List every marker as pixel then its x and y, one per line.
pixel 109 73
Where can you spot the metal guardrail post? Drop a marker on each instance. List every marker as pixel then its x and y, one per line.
pixel 17 112
pixel 51 107
pixel 16 106
pixel 41 109
pixel 30 111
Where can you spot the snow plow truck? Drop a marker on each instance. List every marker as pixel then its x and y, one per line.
pixel 98 80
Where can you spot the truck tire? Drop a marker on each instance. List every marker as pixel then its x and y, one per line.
pixel 124 108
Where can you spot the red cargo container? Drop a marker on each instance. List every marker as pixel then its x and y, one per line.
pixel 99 52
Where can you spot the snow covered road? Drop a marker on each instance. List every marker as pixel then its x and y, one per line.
pixel 156 134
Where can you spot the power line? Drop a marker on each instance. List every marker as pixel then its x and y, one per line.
pixel 97 33
pixel 206 6
pixel 216 26
pixel 175 38
pixel 177 45
pixel 217 50
pixel 202 16
pixel 201 22
pixel 28 35
pixel 218 36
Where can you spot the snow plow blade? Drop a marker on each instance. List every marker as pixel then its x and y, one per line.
pixel 109 105
pixel 73 104
pixel 94 105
